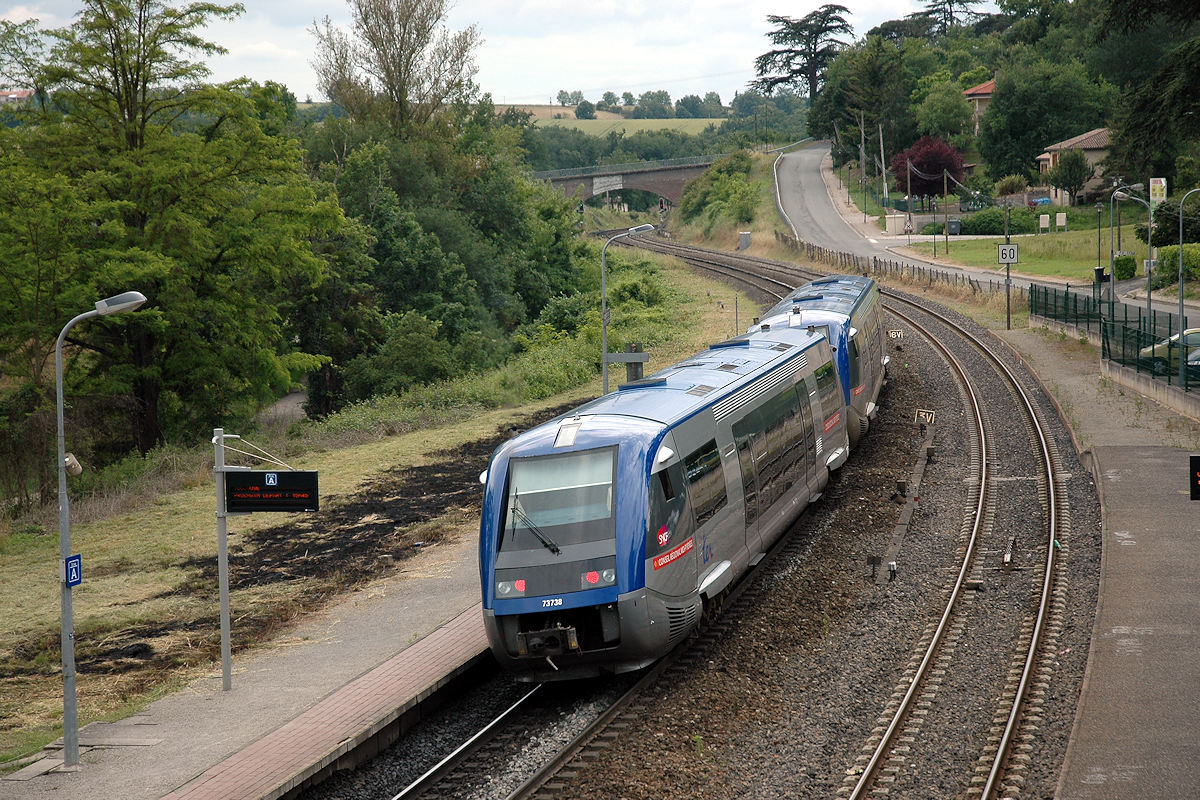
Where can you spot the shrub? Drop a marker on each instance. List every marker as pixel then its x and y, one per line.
pixel 990 222
pixel 1125 267
pixel 1011 184
pixel 1168 264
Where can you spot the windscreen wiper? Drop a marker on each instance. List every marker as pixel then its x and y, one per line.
pixel 546 541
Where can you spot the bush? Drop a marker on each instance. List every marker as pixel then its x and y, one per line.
pixel 990 222
pixel 1125 267
pixel 1168 264
pixel 1011 184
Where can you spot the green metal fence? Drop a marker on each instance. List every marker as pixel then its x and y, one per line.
pixel 1128 335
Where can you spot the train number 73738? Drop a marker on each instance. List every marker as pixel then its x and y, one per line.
pixel 553 601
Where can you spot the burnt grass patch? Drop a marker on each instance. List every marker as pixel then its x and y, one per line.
pixel 323 554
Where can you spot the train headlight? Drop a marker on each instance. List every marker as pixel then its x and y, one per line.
pixel 510 588
pixel 608 576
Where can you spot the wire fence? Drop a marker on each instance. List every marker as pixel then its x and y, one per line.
pixel 1148 343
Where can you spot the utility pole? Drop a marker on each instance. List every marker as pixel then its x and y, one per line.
pixel 946 210
pixel 883 165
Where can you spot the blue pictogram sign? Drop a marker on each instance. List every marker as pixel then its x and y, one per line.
pixel 73 573
pixel 271 479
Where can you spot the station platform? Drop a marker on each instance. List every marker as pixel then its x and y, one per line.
pixel 294 707
pixel 1137 731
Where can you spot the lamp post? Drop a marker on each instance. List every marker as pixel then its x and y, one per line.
pixel 1099 266
pixel 1182 325
pixel 113 305
pixel 604 299
pixel 1120 194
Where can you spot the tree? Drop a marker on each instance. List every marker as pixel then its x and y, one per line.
pixel 946 13
pixel 1071 173
pixel 711 107
pixel 804 49
pixel 944 112
pixel 610 99
pixel 1145 134
pixel 398 62
pixel 1035 106
pixel 934 165
pixel 654 105
pixel 689 107
pixel 119 70
pixel 563 97
pixel 585 110
pixel 207 214
pixel 627 98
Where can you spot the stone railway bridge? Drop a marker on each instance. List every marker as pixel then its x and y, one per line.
pixel 663 178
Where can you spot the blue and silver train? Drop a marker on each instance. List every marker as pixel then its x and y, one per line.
pixel 606 530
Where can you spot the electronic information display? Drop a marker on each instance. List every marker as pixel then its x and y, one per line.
pixel 294 490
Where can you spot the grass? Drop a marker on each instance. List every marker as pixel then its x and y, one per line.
pixel 1069 255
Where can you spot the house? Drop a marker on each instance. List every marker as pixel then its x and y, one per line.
pixel 979 97
pixel 15 95
pixel 1094 145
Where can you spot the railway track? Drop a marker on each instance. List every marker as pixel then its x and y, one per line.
pixel 887 756
pixel 1001 761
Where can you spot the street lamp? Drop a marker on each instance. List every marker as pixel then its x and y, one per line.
pixel 127 301
pixel 1120 194
pixel 604 299
pixel 1099 266
pixel 1182 325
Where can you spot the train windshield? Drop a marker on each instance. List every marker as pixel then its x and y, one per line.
pixel 553 501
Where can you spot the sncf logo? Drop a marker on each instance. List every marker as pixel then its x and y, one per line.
pixel 664 536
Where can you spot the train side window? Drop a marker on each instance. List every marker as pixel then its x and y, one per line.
pixel 705 480
pixel 743 436
pixel 668 491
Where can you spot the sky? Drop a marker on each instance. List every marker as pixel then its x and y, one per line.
pixel 531 49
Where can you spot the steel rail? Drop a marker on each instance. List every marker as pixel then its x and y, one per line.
pixel 901 715
pixel 443 767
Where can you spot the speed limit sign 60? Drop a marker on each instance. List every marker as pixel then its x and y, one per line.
pixel 1006 253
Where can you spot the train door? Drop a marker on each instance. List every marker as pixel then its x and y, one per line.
pixel 671 523
pixel 744 436
pixel 856 373
pixel 809 407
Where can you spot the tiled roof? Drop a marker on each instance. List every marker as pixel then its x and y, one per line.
pixel 984 89
pixel 1092 140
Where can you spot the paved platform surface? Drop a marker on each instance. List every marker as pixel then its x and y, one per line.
pixel 341 674
pixel 1137 733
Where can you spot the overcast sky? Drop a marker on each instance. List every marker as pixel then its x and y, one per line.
pixel 532 48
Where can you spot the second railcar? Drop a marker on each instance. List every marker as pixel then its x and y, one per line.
pixel 847 309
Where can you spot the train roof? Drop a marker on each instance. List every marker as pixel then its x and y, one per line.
pixel 834 295
pixel 675 393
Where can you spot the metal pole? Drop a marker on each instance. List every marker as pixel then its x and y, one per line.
pixel 1007 277
pixel 946 211
pixel 1182 323
pixel 604 315
pixel 1149 259
pixel 67 634
pixel 1112 263
pixel 604 300
pixel 222 557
